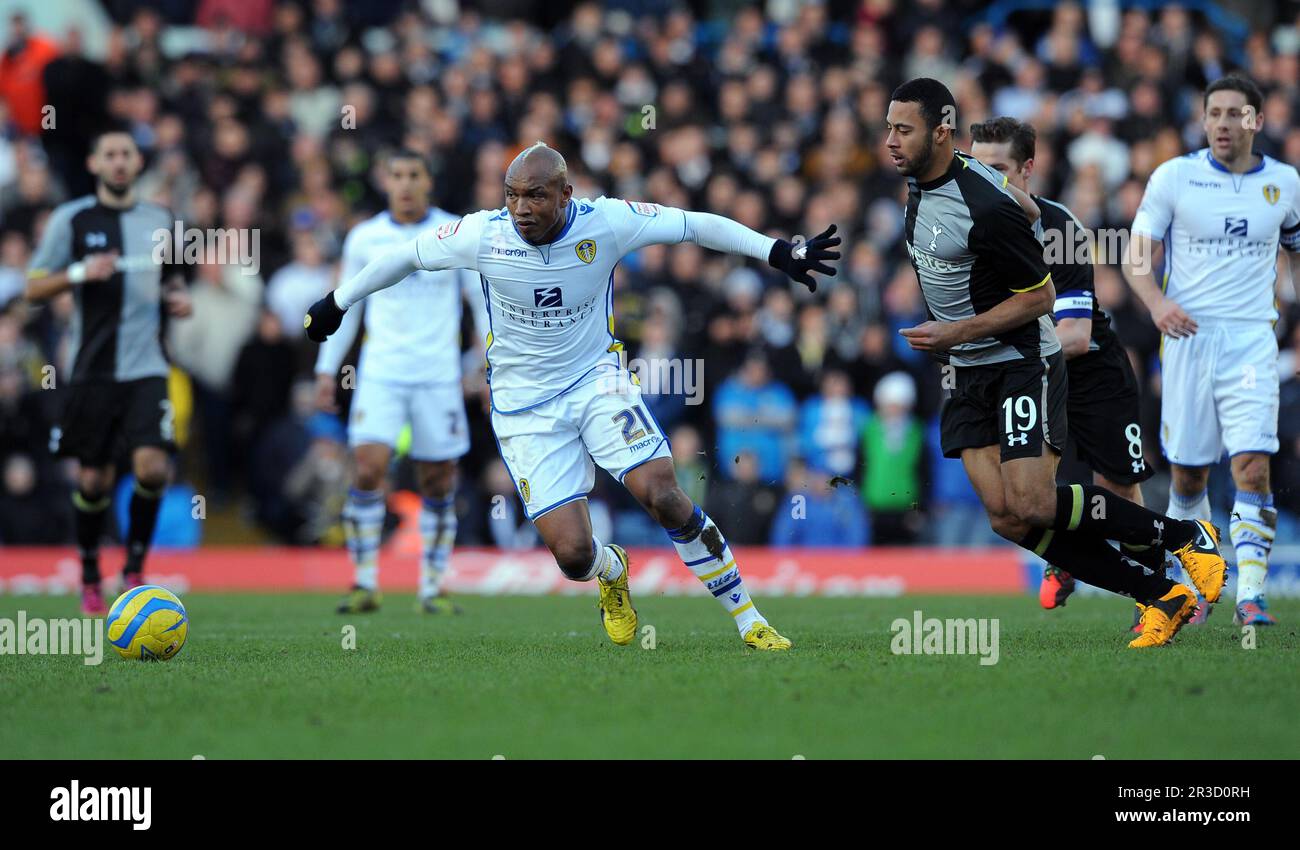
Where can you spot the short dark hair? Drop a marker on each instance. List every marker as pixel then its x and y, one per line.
pixel 935 101
pixel 108 129
pixel 407 153
pixel 1236 82
pixel 1023 137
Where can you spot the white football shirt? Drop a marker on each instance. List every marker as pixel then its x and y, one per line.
pixel 1221 233
pixel 412 328
pixel 550 307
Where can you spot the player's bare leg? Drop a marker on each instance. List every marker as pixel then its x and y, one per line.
pixel 437 482
pixel 566 531
pixel 1021 499
pixel 1189 498
pixel 363 523
pixel 151 467
pixel 1253 527
pixel 91 502
pixel 702 548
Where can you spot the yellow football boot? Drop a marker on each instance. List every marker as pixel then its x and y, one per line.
pixel 1203 562
pixel 761 636
pixel 616 612
pixel 360 600
pixel 1162 619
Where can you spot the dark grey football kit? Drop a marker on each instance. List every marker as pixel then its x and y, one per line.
pixel 116 397
pixel 972 248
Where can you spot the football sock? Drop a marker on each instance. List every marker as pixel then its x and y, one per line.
pixel 90 516
pixel 143 511
pixel 363 522
pixel 437 536
pixel 605 565
pixel 1254 525
pixel 1097 511
pixel 1187 507
pixel 1091 559
pixel 705 553
pixel 1151 557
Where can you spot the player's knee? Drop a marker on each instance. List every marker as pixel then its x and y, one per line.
pixel 1030 508
pixel 437 480
pixel 92 483
pixel 670 506
pixel 1252 475
pixel 1009 526
pixel 1190 480
pixel 574 558
pixel 370 476
pixel 151 472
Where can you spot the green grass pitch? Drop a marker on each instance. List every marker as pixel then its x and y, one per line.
pixel 266 676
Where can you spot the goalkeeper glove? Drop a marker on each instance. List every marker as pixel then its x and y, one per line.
pixel 798 260
pixel 323 318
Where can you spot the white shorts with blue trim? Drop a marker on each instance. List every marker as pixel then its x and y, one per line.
pixel 1219 391
pixel 435 412
pixel 551 449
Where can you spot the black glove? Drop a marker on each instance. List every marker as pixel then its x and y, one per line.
pixel 323 318
pixel 814 251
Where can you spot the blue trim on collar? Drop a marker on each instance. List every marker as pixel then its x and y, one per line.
pixel 428 214
pixel 1263 160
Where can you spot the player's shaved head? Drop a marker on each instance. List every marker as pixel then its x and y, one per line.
pixel 541 162
pixel 538 192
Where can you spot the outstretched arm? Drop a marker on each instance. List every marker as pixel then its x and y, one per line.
pixel 449 246
pixel 641 224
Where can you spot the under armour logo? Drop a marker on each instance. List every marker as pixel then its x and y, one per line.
pixel 1138 466
pixel 936 230
pixel 96 240
pixel 1021 439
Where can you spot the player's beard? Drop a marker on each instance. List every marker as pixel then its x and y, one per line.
pixel 921 164
pixel 118 192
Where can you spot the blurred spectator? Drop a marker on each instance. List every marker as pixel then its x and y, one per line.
pixel 744 505
pixel 829 425
pixel 893 458
pixel 26 518
pixel 816 512
pixel 755 415
pixel 298 285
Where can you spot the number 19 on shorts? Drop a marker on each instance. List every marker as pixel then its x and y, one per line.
pixel 1020 415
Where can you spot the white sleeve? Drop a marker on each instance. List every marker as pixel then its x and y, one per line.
pixel 1291 222
pixel 1156 211
pixel 638 224
pixel 453 245
pixel 336 347
pixel 471 287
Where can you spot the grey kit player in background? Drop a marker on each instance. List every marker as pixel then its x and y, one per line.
pixel 101 248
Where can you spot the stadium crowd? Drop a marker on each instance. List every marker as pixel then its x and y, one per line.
pixel 272 117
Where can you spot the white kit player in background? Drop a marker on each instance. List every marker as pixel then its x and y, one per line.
pixel 560 396
pixel 1219 214
pixel 409 373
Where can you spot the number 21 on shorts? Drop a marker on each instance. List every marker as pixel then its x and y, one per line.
pixel 629 418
